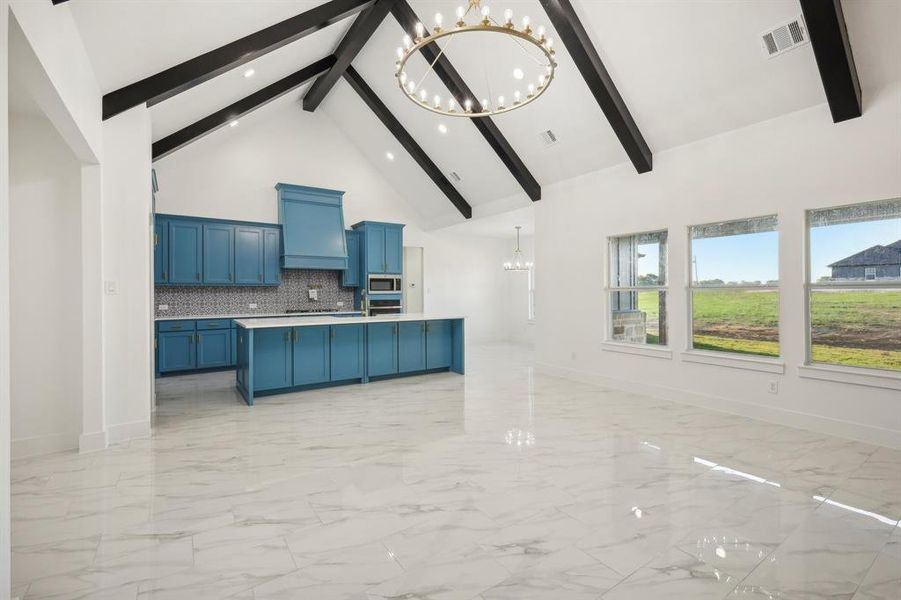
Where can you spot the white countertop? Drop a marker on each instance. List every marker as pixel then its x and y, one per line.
pixel 326 320
pixel 252 316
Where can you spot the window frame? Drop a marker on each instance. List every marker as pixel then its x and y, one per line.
pixel 834 371
pixel 732 357
pixel 633 347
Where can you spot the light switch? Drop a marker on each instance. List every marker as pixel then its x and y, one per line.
pixel 163 307
pixel 252 305
pixel 110 287
pixel 314 294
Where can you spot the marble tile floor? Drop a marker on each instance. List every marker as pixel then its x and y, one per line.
pixel 503 484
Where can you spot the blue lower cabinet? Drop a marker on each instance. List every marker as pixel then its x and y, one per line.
pixel 439 344
pixel 272 358
pixel 311 355
pixel 233 337
pixel 411 346
pixel 381 350
pixel 176 351
pixel 346 352
pixel 213 348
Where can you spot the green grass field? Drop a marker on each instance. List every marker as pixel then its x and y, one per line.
pixel 854 328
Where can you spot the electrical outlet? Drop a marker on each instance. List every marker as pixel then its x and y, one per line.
pixel 773 387
pixel 110 287
pixel 252 305
pixel 163 307
pixel 340 304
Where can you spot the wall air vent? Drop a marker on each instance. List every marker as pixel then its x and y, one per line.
pixel 548 137
pixel 455 177
pixel 785 37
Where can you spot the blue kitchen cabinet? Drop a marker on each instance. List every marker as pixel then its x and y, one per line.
pixel 272 358
pixel 233 338
pixel 410 346
pixel 213 348
pixel 346 352
pixel 176 351
pixel 312 222
pixel 248 255
pixel 381 350
pixel 160 251
pixel 218 253
pixel 351 276
pixel 185 251
pixel 311 355
pixel 272 269
pixel 382 247
pixel 439 344
pixel 394 250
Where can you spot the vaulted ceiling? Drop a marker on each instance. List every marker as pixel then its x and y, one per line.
pixel 686 70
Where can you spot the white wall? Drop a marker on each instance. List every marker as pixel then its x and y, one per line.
pixel 231 174
pixel 5 580
pixel 127 255
pixel 45 288
pixel 784 166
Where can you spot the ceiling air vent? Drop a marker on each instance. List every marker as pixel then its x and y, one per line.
pixel 548 137
pixel 784 38
pixel 455 177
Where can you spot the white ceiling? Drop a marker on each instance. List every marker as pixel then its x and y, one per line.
pixel 687 70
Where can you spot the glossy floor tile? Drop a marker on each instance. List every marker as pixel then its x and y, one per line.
pixel 503 484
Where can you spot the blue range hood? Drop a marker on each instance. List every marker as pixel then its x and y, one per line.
pixel 312 222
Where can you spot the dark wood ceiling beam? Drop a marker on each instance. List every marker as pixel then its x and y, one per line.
pixel 452 80
pixel 357 36
pixel 221 118
pixel 832 50
pixel 184 76
pixel 406 140
pixel 580 47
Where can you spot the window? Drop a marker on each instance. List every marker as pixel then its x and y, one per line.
pixel 532 293
pixel 637 288
pixel 734 290
pixel 854 285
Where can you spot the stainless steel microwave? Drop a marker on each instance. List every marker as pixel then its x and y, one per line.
pixel 385 284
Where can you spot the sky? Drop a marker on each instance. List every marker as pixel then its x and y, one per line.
pixel 755 257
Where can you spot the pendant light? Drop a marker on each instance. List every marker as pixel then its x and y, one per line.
pixel 517 264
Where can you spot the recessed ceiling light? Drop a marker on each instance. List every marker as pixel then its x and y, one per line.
pixel 389 155
pixel 517 73
pixel 233 123
pixel 442 127
pixel 250 72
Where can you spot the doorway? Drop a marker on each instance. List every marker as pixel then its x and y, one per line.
pixel 413 296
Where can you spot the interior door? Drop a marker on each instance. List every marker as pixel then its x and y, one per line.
pixel 413 290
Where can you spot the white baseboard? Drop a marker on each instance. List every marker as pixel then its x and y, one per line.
pixel 847 429
pixel 92 442
pixel 43 444
pixel 127 431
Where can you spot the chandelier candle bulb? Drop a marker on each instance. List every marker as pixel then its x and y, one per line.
pixel 500 102
pixel 508 18
pixel 420 31
pixel 541 32
pixel 408 42
pixel 468 105
pixel 516 97
pixel 531 90
pixel 437 101
pixel 526 24
pixel 451 105
pixel 423 95
pixel 485 12
pixel 461 13
pixel 400 52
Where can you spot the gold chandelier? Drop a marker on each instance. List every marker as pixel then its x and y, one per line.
pixel 524 36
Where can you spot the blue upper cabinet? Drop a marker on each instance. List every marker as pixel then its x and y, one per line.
pixel 199 251
pixel 351 276
pixel 160 251
pixel 272 270
pixel 249 255
pixel 185 251
pixel 312 222
pixel 218 253
pixel 383 247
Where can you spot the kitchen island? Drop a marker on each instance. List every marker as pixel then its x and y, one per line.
pixel 279 355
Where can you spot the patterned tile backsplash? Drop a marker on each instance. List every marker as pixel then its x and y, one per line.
pixel 185 301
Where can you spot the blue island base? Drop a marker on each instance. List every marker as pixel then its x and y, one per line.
pixel 278 360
